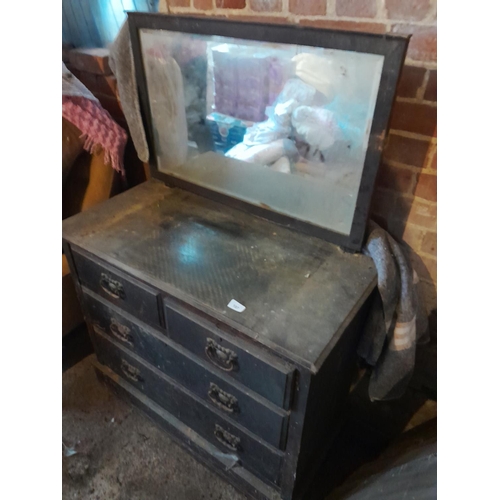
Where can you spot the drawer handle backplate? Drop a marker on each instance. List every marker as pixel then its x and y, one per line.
pixel 131 372
pixel 112 287
pixel 227 439
pixel 223 400
pixel 121 332
pixel 220 356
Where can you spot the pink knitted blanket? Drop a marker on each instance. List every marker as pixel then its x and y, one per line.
pixel 98 128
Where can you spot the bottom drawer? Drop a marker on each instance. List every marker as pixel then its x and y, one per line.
pixel 254 454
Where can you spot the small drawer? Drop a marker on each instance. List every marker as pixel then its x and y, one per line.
pixel 268 376
pixel 230 438
pixel 119 289
pixel 250 410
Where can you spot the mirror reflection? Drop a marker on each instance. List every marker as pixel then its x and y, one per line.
pixel 281 126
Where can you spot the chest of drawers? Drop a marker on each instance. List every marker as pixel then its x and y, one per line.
pixel 257 394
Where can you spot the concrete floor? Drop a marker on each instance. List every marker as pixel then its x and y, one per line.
pixel 122 455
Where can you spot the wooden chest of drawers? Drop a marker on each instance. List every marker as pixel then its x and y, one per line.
pixel 255 394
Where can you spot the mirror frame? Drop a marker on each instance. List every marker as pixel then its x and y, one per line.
pixel 392 47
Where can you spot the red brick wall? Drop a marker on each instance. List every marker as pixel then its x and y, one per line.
pixel 405 200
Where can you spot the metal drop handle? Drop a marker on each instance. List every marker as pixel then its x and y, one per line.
pixel 227 439
pixel 112 287
pixel 121 332
pixel 223 400
pixel 131 372
pixel 221 357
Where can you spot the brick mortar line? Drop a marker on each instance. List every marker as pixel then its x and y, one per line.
pixel 418 247
pixel 432 12
pixel 285 4
pixel 405 166
pixel 298 17
pixel 301 17
pixel 428 282
pixel 416 100
pixel 429 171
pixel 421 90
pixel 427 23
pixel 229 12
pixel 377 20
pixel 411 168
pixel 431 152
pixel 409 197
pixel 426 230
pixel 182 10
pixel 423 230
pixel 427 255
pixel 419 198
pixel 331 7
pixel 413 135
pixel 412 225
pixel 417 242
pixel 381 10
pixel 421 64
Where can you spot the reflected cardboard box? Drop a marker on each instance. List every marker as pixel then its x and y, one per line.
pixel 226 131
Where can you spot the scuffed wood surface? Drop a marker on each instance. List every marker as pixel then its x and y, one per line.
pixel 299 291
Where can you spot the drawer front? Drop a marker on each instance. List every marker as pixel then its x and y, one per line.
pixel 253 412
pixel 270 378
pixel 231 439
pixel 117 288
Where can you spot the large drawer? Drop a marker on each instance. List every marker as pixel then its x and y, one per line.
pixel 185 437
pixel 116 287
pixel 268 376
pixel 250 410
pixel 253 453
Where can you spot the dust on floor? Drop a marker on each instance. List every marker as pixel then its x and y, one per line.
pixel 121 454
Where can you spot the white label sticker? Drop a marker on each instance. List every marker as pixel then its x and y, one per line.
pixel 236 306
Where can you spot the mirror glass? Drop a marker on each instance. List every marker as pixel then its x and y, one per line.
pixel 280 126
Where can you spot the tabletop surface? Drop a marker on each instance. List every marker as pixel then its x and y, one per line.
pixel 299 292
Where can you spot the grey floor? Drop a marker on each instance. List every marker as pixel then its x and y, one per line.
pixel 120 454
